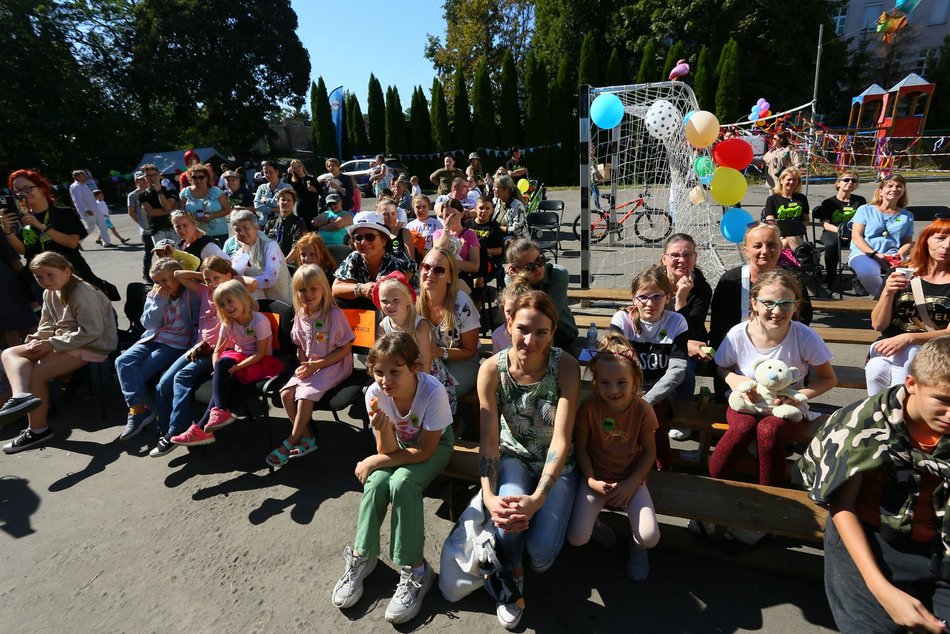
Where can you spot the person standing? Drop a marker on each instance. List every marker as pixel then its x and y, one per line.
pixel 137 214
pixel 265 198
pixel 86 206
pixel 158 202
pixel 515 165
pixel 442 178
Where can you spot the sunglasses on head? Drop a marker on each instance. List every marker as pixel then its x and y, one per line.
pixel 530 267
pixel 438 271
pixel 364 237
pixel 760 223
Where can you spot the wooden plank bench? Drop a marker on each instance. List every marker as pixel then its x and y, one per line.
pixel 860 306
pixel 774 510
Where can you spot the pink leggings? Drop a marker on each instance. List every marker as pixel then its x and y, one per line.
pixel 640 512
pixel 770 433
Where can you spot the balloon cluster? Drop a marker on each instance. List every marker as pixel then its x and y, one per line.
pixel 727 184
pixel 116 176
pixel 761 110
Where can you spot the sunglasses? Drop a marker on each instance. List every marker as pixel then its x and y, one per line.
pixel 199 177
pixel 849 180
pixel 784 305
pixel 647 299
pixel 437 271
pixel 530 267
pixel 364 237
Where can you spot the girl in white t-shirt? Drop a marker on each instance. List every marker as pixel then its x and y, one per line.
pixel 410 415
pixel 660 338
pixel 242 355
pixel 772 333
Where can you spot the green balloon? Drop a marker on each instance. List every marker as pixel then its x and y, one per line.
pixel 703 166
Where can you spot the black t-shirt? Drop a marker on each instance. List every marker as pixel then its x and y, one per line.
pixel 241 198
pixel 904 316
pixel 516 164
pixel 490 236
pixel 65 220
pixel 838 212
pixel 789 213
pixel 285 231
pixel 157 223
pixel 697 307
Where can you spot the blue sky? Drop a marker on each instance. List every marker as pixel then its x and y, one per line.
pixel 347 40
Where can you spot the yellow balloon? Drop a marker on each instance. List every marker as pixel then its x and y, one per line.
pixel 728 186
pixel 524 185
pixel 702 129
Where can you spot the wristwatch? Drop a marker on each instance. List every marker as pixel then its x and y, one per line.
pixel 445 354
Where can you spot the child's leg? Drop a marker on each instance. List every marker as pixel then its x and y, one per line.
pixel 642 516
pixel 729 449
pixel 301 420
pixel 406 485
pixel 222 382
pixel 664 457
pixel 46 369
pixel 137 365
pixel 587 505
pixel 18 366
pixel 772 435
pixel 902 362
pixel 176 412
pixel 373 508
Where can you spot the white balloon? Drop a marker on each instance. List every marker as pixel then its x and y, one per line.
pixel 662 119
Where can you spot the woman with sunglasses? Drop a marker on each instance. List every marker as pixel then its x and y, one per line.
pixel 835 214
pixel 523 256
pixel 207 203
pixel 373 258
pixel 882 233
pixel 453 315
pixel 912 309
pixel 254 255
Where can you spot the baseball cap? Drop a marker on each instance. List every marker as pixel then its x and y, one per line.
pixel 165 242
pixel 138 174
pixel 333 198
pixel 369 220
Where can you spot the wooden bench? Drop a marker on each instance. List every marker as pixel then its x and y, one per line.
pixel 861 306
pixel 774 510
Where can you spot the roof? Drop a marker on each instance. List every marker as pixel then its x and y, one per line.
pixel 172 161
pixel 874 90
pixel 910 82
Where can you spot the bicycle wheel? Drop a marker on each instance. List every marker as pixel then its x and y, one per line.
pixel 598 230
pixel 652 225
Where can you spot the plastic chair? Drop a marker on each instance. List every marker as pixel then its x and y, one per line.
pixel 544 227
pixel 339 252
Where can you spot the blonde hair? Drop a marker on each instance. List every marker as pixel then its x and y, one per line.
pixel 518 285
pixel 313 275
pixel 236 290
pixel 411 314
pixel 219 265
pixel 902 201
pixel 931 366
pixel 652 276
pixel 448 306
pixel 293 175
pixel 54 260
pixel 777 233
pixel 615 348
pixel 789 171
pixel 777 277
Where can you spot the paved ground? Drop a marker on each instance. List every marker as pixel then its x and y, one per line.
pixel 99 537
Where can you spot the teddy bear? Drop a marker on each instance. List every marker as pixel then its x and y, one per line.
pixel 772 378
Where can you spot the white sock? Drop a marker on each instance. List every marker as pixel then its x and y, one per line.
pixel 39 431
pixel 417 571
pixel 21 395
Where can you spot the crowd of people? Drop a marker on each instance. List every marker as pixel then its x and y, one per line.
pixel 549 461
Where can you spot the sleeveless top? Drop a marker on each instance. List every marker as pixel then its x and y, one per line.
pixel 198 245
pixel 527 415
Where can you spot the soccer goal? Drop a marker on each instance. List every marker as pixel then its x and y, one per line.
pixel 637 190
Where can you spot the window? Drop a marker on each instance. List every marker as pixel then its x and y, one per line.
pixel 939 11
pixel 926 57
pixel 839 18
pixel 871 13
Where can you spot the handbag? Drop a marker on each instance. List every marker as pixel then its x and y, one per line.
pixel 460 560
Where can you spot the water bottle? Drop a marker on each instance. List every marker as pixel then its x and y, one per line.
pixel 592 337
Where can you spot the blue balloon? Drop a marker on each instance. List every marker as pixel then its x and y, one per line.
pixel 734 223
pixel 754 116
pixel 907 6
pixel 689 115
pixel 706 180
pixel 606 111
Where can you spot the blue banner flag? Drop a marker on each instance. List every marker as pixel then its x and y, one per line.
pixel 336 112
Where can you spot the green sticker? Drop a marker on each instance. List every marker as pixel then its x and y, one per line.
pixel 608 425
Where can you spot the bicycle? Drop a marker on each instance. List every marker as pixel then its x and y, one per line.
pixel 651 225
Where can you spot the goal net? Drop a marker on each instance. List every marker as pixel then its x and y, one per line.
pixel 648 185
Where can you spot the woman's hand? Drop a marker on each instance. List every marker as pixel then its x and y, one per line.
pixel 895 283
pixel 892 345
pixel 600 487
pixel 907 611
pixel 683 288
pixel 367 466
pixel 40 347
pixel 28 219
pixel 696 349
pixel 9 220
pixel 506 512
pixel 882 262
pixel 304 370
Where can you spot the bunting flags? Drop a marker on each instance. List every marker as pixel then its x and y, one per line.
pixel 464 153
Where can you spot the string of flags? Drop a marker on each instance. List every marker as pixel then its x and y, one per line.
pixel 481 151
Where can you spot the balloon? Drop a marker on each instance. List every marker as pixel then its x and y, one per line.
pixel 706 180
pixel 733 224
pixel 688 116
pixel 753 116
pixel 126 177
pixel 906 6
pixel 764 106
pixel 115 179
pixel 702 129
pixel 728 186
pixel 606 111
pixel 524 185
pixel 760 101
pixel 662 119
pixel 734 153
pixel 115 173
pixel 756 109
pixel 703 166
pixel 765 113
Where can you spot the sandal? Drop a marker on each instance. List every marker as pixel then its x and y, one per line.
pixel 281 457
pixel 306 446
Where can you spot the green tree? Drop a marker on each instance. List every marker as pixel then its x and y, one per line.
pixel 558 22
pixel 616 73
pixel 648 64
pixel 324 133
pixel 420 129
pixel 589 68
pixel 537 115
pixel 376 111
pixel 675 54
pixel 728 94
pixel 356 127
pixel 396 133
pixel 939 73
pixel 461 117
pixel 564 126
pixel 704 79
pixel 485 131
pixel 439 116
pixel 509 104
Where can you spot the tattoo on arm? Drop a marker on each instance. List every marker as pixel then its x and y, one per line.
pixel 488 468
pixel 545 484
pixel 551 458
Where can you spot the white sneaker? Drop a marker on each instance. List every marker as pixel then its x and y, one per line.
pixel 509 614
pixel 349 588
pixel 410 591
pixel 680 434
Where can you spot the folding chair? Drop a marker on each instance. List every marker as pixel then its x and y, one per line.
pixel 544 227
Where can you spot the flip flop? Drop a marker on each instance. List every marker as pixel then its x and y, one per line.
pixel 306 446
pixel 281 458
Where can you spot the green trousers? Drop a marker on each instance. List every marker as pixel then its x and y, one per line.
pixel 402 488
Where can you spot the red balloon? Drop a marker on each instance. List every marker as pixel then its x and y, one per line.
pixel 734 153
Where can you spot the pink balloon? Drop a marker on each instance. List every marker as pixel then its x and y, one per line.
pixel 760 101
pixel 764 105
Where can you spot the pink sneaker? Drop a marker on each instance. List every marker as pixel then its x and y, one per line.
pixel 193 437
pixel 219 419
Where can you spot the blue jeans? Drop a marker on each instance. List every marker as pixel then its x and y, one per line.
pixel 137 365
pixel 546 530
pixel 175 411
pixel 686 391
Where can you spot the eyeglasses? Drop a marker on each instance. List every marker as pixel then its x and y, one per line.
pixel 364 237
pixel 199 177
pixel 437 271
pixel 648 299
pixel 784 305
pixel 530 267
pixel 681 256
pixel 25 190
pixel 849 180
